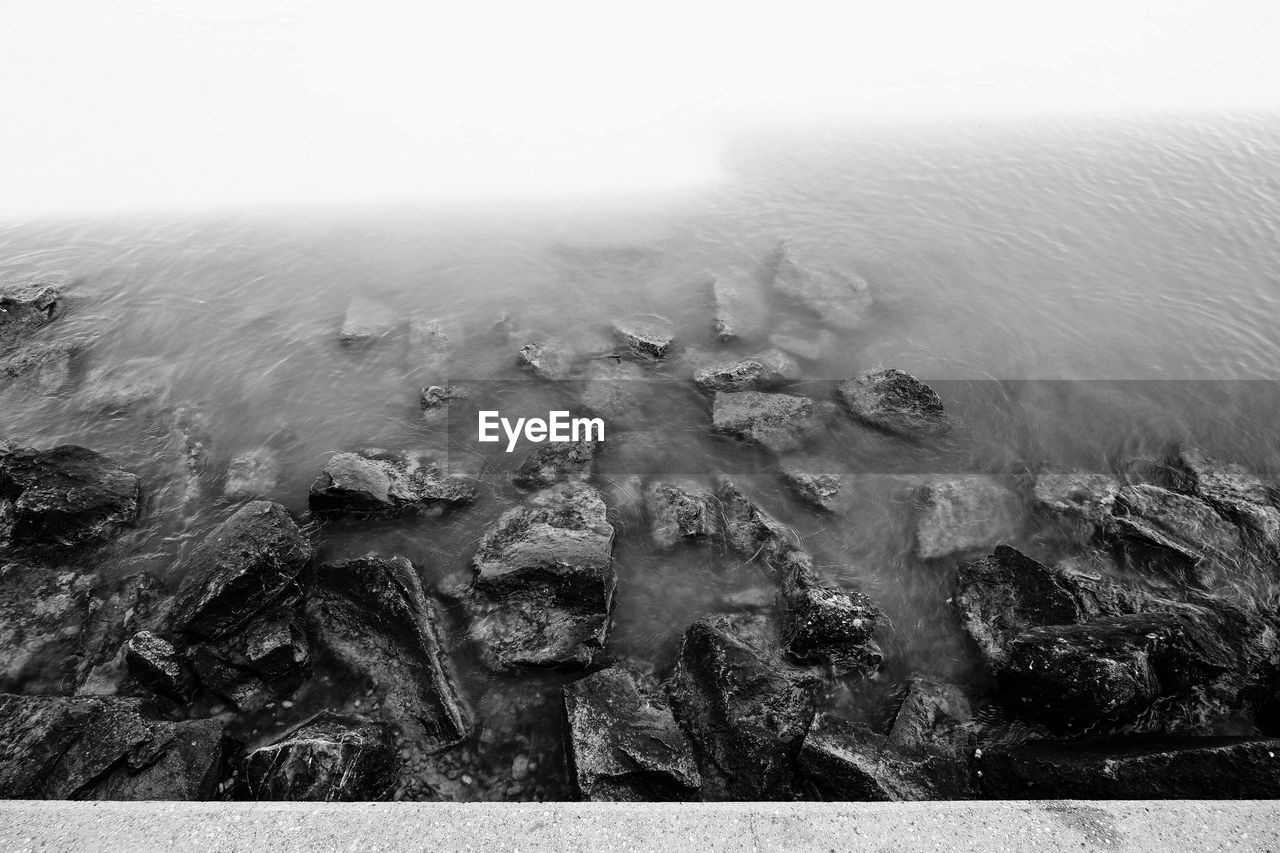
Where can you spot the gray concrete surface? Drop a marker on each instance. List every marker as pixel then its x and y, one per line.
pixel 990 826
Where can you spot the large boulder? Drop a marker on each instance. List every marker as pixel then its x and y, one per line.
pixel 381 485
pixel 841 299
pixel 29 304
pixel 328 758
pixel 965 514
pixel 242 567
pixel 63 497
pixel 777 422
pixel 681 512
pixel 371 616
pixel 556 462
pixel 104 748
pixel 741 310
pixel 543 588
pixel 746 711
pixel 895 402
pixel 624 744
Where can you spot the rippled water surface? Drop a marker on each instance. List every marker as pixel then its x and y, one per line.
pixel 1009 263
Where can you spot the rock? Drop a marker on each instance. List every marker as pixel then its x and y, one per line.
pixel 218 673
pixel 355 484
pixel 44 367
pixel 826 625
pixel 64 497
pixel 187 450
pixel 895 402
pixel 436 396
pixel 745 710
pixel 623 744
pixel 1136 768
pixel 1234 492
pixel 964 514
pixel 252 474
pixel 1179 536
pixel 777 422
pixel 807 344
pixel 367 319
pixel 26 305
pixel 42 616
pixel 154 661
pixel 115 612
pixel 740 309
pixel 122 388
pixel 544 582
pixel 242 567
pixel 750 531
pixel 645 339
pixel 104 748
pixel 680 512
pixel 816 482
pixel 556 462
pixel 371 616
pixel 275 643
pixel 429 350
pixel 933 717
pixel 615 390
pixel 841 299
pixel 1076 495
pixel 548 359
pixel 328 758
pixel 748 374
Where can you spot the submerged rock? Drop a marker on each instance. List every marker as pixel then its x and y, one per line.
pixel 841 299
pixel 750 531
pixel 741 310
pixel 895 402
pixel 329 758
pixel 777 422
pixel 964 514
pixel 615 390
pixel 43 367
pixel 371 616
pixel 544 582
pixel 680 512
pixel 645 339
pixel 1076 496
pixel 361 485
pixel 556 462
pixel 429 349
pixel 63 497
pixel 252 474
pixel 367 319
pixel 104 748
pixel 155 662
pixel 119 389
pixel 26 305
pixel 817 482
pixel 242 567
pixel 746 711
pixel 623 744
pixel 933 717
pixel 435 396
pixel 551 358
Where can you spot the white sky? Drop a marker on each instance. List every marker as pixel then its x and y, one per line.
pixel 175 104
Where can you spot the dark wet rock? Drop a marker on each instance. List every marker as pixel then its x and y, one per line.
pixel 104 748
pixel 964 514
pixel 252 474
pixel 367 319
pixel 1075 495
pixel 841 299
pixel 436 396
pixel 64 497
pixel 43 367
pixel 154 662
pixel 264 661
pixel 934 717
pixel 741 310
pixel 118 389
pixel 41 626
pixel 371 616
pixel 544 582
pixel 27 305
pixel 1179 536
pixel 429 349
pixel 550 358
pixel 220 675
pixel 623 743
pixel 645 339
pixel 116 611
pixel 817 482
pixel 556 462
pixel 746 711
pixel 615 390
pixel 777 422
pixel 361 485
pixel 328 758
pixel 681 512
pixel 1135 768
pixel 750 531
pixel 826 625
pixel 241 568
pixel 895 402
pixel 1232 490
pixel 275 644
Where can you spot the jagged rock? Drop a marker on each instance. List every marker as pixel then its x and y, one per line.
pixel 435 396
pixel 26 305
pixel 826 625
pixel 841 299
pixel 64 497
pixel 361 485
pixel 777 422
pixel 933 717
pixel 680 512
pixel 551 358
pixel 544 582
pixel 263 661
pixel 366 319
pixel 371 616
pixel 429 349
pixel 154 661
pixel 328 758
pixel 122 388
pixel 1136 768
pixel 964 514
pixel 252 474
pixel 740 309
pixel 44 367
pixel 747 374
pixel 556 462
pixel 816 482
pixel 748 530
pixel 241 568
pixel 896 402
pixel 623 744
pixel 746 711
pixel 645 340
pixel 1076 495
pixel 219 674
pixel 104 748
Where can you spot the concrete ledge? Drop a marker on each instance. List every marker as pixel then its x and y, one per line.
pixel 977 826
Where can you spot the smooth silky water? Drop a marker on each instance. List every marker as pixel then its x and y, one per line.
pixel 1080 291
